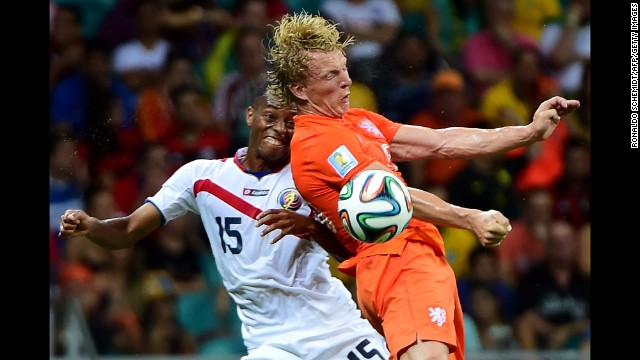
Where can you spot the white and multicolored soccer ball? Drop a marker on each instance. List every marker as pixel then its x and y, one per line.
pixel 375 206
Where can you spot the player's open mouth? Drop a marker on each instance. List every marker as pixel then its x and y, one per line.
pixel 273 141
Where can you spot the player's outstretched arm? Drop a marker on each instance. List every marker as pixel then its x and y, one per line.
pixel 291 223
pixel 115 233
pixel 489 226
pixel 416 142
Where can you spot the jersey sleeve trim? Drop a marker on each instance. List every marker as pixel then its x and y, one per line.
pixel 163 219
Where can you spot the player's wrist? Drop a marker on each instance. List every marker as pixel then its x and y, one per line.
pixel 312 227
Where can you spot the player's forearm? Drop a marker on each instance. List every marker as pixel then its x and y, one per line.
pixel 413 142
pixel 325 238
pixel 429 207
pixel 112 233
pixel 470 142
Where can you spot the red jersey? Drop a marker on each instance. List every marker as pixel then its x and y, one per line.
pixel 327 152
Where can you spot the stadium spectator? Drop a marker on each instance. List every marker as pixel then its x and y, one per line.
pixel 524 244
pixel 95 104
pixel 68 176
pixel 572 191
pixel 237 89
pixel 174 251
pixel 403 88
pixel 488 54
pixel 114 323
pixel 152 167
pixel 445 24
pixel 192 25
pixel 485 183
pixel 374 23
pixel 222 57
pixel 162 331
pixel 173 272
pixel 68 179
pixel 139 60
pixel 118 25
pixel 554 296
pixel 155 110
pixel 75 283
pixel 567 45
pixel 531 17
pixel 66 44
pixel 98 200
pixel 450 107
pixel 484 268
pixel 512 101
pixel 495 332
pixel 196 136
pixel 92 13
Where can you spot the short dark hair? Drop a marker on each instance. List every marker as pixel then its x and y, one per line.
pixel 260 93
pixel 262 90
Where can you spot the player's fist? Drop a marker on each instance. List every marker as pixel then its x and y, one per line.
pixel 490 227
pixel 73 223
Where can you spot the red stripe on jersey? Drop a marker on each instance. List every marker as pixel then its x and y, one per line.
pixel 224 195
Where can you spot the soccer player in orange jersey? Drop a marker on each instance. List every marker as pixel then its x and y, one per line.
pixel 405 287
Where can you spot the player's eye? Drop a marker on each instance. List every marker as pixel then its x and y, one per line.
pixel 269 117
pixel 332 74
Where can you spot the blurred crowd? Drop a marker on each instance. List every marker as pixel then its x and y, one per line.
pixel 140 87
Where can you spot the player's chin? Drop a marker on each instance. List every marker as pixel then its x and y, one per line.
pixel 275 147
pixel 275 152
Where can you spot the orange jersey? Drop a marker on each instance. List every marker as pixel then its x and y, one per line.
pixel 327 152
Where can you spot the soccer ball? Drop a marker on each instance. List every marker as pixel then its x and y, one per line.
pixel 375 206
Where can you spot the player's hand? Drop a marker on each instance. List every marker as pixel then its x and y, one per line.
pixel 490 227
pixel 549 113
pixel 73 223
pixel 289 222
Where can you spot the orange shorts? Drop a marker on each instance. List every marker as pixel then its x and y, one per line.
pixel 411 296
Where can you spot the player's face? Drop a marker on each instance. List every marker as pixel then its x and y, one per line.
pixel 271 130
pixel 326 88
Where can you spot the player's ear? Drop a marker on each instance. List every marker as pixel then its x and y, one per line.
pixel 298 90
pixel 249 116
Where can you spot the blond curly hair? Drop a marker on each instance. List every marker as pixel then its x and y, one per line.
pixel 294 36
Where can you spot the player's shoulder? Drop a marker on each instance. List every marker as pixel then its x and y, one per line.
pixel 200 165
pixel 204 162
pixel 358 112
